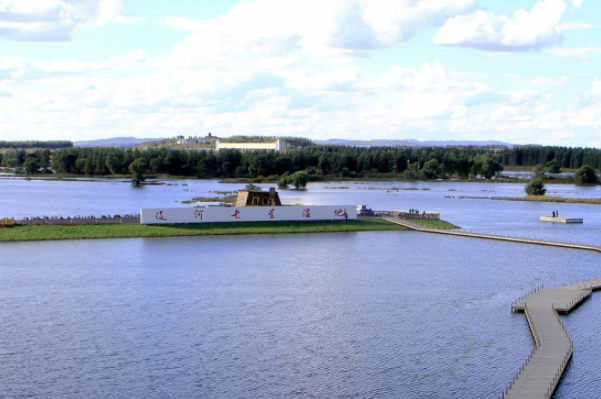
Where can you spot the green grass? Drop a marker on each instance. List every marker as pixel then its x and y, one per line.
pixel 538 198
pixel 434 224
pixel 543 198
pixel 68 232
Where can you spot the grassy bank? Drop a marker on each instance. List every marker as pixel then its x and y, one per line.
pixel 53 232
pixel 434 224
pixel 538 198
pixel 542 198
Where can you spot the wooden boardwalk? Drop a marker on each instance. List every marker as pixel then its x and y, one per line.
pixel 553 348
pixel 521 240
pixel 539 376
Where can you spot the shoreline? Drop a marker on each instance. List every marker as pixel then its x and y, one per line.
pixel 558 200
pixel 158 180
pixel 106 231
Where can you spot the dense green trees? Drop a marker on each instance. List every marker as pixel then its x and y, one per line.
pixel 298 179
pixel 431 170
pixel 536 186
pixel 486 166
pixel 585 175
pixel 36 144
pixel 316 161
pixel 284 181
pixel 554 166
pixel 31 162
pixel 553 157
pixel 137 169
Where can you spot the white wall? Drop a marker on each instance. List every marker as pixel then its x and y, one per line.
pixel 247 214
pixel 279 145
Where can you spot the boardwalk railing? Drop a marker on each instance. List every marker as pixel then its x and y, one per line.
pixel 564 363
pixel 536 339
pixel 521 299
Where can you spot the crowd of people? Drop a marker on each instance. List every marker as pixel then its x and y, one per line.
pixel 415 214
pixel 39 220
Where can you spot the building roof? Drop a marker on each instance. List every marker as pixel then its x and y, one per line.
pixel 258 198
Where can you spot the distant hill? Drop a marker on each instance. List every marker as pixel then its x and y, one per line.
pixel 125 142
pixel 408 143
pixel 114 142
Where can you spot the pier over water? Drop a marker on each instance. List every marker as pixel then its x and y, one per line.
pixel 559 244
pixel 540 374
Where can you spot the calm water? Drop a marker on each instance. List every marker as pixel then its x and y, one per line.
pixel 363 315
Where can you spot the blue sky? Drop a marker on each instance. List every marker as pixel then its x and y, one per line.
pixel 524 72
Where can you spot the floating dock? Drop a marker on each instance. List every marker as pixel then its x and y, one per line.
pixel 557 219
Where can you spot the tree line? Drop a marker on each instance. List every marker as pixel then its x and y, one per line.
pixel 316 160
pixel 558 157
pixel 36 144
pixel 31 161
pixel 427 163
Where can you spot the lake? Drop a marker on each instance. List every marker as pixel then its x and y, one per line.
pixel 361 315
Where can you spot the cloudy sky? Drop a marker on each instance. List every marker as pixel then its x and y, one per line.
pixel 516 71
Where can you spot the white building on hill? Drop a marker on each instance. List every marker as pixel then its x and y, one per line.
pixel 181 140
pixel 278 145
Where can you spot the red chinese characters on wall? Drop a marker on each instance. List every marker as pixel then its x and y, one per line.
pixel 307 213
pixel 271 213
pixel 236 214
pixel 341 213
pixel 198 214
pixel 159 216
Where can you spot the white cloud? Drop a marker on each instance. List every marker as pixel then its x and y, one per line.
pixel 288 101
pixel 269 28
pixel 52 20
pixel 526 31
pixel 592 97
pixel 577 26
pixel 539 81
pixel 128 19
pixel 596 89
pixel 338 79
pixel 280 68
pixel 184 23
pixel 580 52
pixel 431 77
pixel 589 117
pixel 393 21
pixel 20 68
pixel 521 97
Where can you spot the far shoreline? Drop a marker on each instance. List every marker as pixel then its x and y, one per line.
pixel 534 198
pixel 159 180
